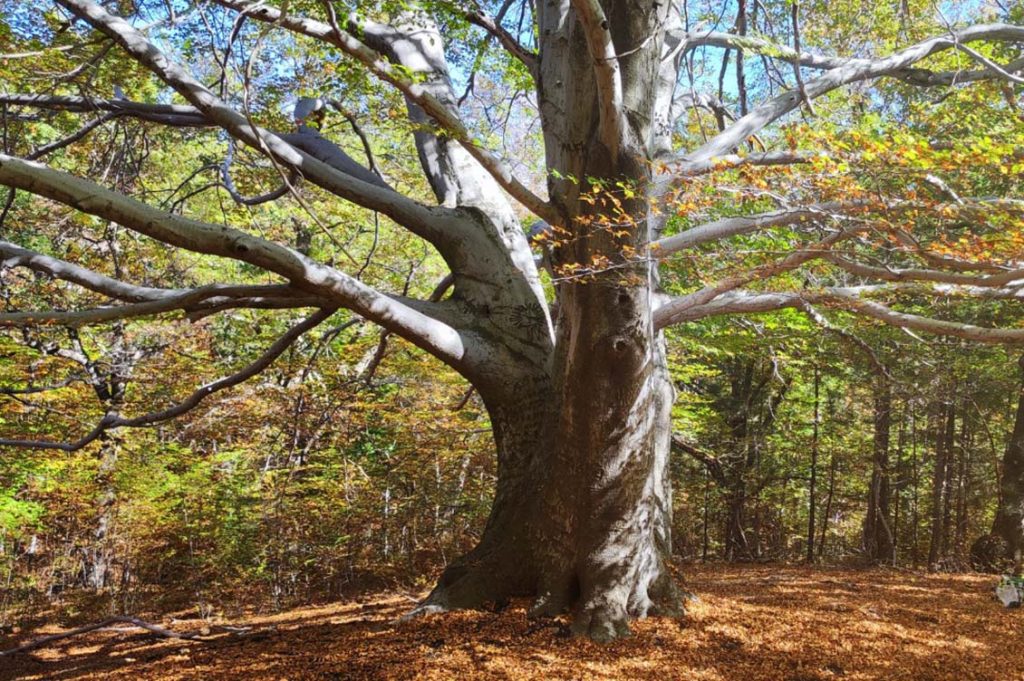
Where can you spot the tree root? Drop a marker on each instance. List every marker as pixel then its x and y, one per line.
pixel 601 622
pixel 462 588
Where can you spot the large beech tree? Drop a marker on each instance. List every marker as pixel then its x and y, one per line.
pixel 643 144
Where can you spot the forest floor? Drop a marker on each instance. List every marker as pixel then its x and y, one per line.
pixel 756 623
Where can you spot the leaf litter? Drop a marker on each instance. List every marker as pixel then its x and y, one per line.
pixel 763 622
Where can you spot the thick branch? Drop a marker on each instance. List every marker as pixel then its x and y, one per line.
pixel 16 256
pixel 178 115
pixel 395 314
pixel 710 462
pixel 424 221
pixel 416 92
pixel 607 75
pixel 917 274
pixel 306 139
pixel 850 300
pixel 746 224
pixel 508 41
pixel 197 301
pixel 700 297
pixel 913 76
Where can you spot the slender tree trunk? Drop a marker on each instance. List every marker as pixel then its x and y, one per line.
pixel 952 456
pixel 811 500
pixel 963 488
pixel 899 483
pixel 741 78
pixel 915 477
pixel 946 417
pixel 828 504
pixel 877 538
pixel 99 554
pixel 704 528
pixel 735 537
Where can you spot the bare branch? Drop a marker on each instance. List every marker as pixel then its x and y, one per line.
pixel 856 340
pixel 851 71
pixel 134 621
pixel 177 115
pixel 205 298
pixel 702 296
pixel 911 75
pixel 16 256
pixel 746 224
pixel 730 161
pixel 710 462
pixel 916 274
pixel 229 184
pixel 305 139
pixel 851 300
pixel 508 41
pixel 847 299
pixel 416 92
pixel 114 420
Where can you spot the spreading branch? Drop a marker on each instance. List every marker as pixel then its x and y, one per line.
pixel 910 75
pixel 490 24
pixel 113 420
pixel 851 71
pixel 408 318
pixel 747 224
pixel 198 301
pixel 422 220
pixel 16 256
pixel 847 299
pixel 447 118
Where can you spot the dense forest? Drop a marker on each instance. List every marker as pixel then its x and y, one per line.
pixel 309 299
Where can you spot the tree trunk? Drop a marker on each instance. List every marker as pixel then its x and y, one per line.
pixel 705 513
pixel 878 540
pixel 99 553
pixel 582 511
pixel 735 535
pixel 899 484
pixel 963 487
pixel 828 504
pixel 915 481
pixel 504 562
pixel 1009 521
pixel 952 451
pixel 940 482
pixel 811 500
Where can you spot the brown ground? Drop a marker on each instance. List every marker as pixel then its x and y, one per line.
pixel 751 623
